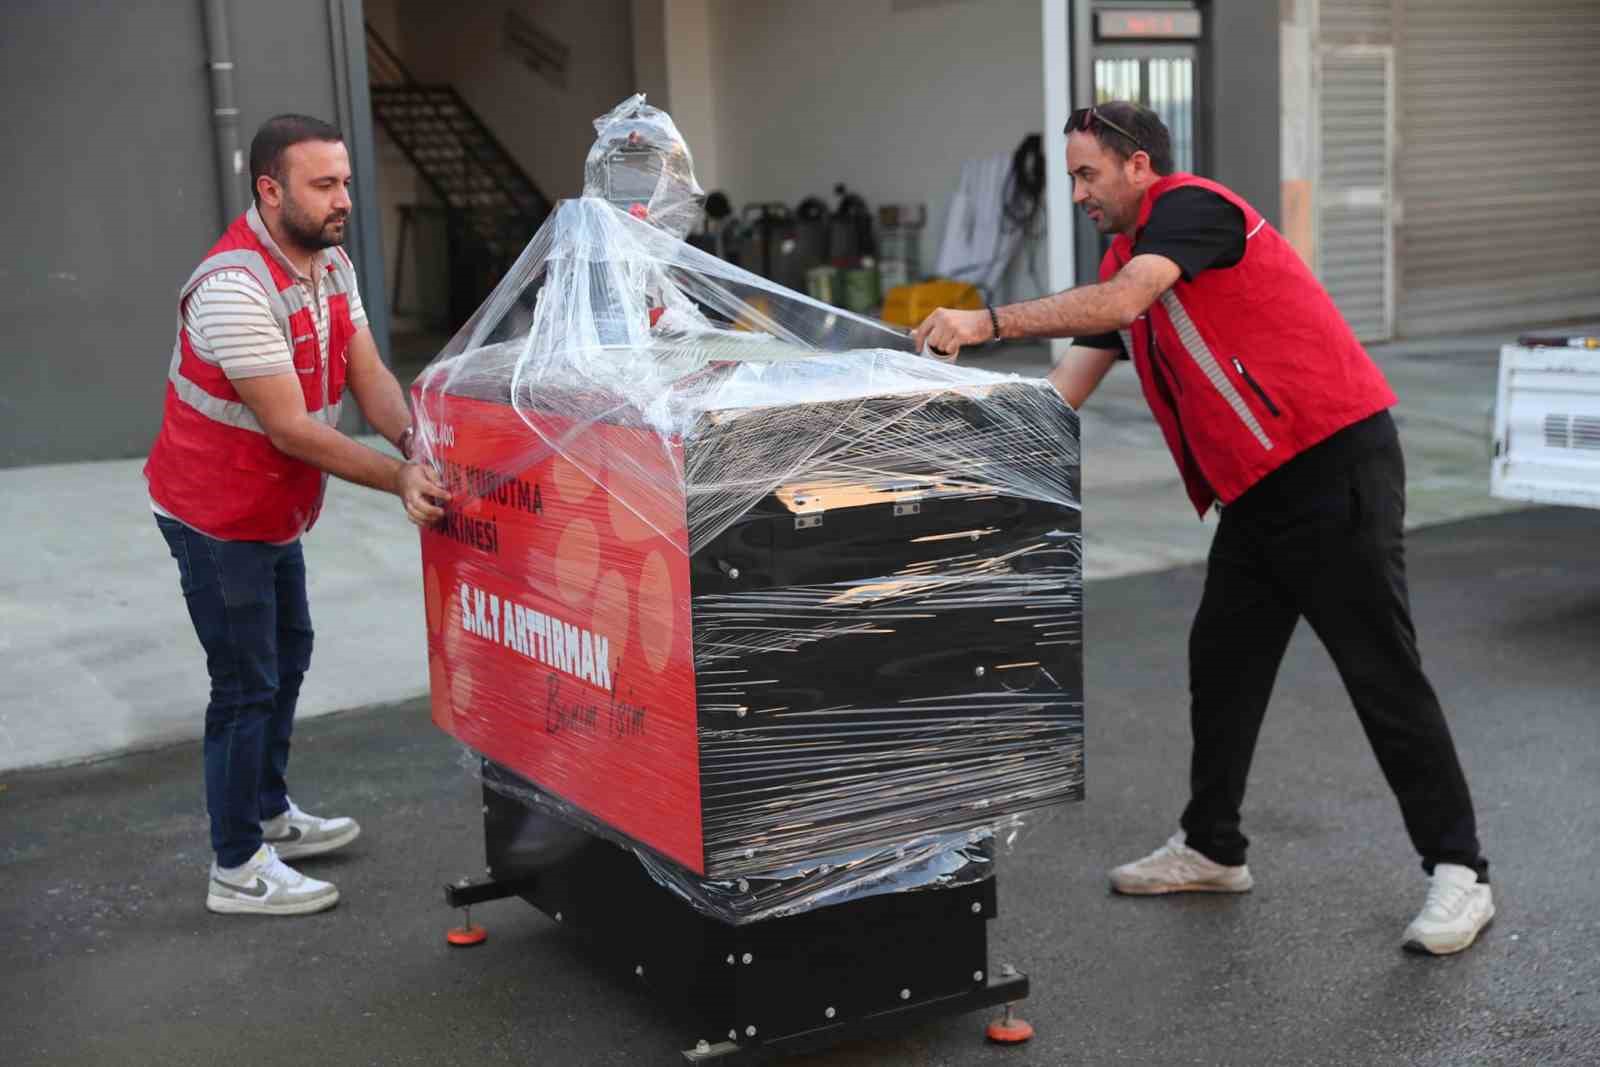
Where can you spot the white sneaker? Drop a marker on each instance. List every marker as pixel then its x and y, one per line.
pixel 1457 908
pixel 1177 868
pixel 295 834
pixel 265 885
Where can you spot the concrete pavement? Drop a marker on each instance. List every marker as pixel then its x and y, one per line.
pixel 99 653
pixel 101 657
pixel 111 957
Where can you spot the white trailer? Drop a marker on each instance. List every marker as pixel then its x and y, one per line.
pixel 1547 421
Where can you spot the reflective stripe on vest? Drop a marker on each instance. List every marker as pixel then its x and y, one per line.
pixel 342 278
pixel 235 413
pixel 284 304
pixel 1206 360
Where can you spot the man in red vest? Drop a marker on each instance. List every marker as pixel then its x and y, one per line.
pixel 1276 416
pixel 270 332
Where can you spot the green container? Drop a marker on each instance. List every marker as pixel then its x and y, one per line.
pixel 860 286
pixel 822 284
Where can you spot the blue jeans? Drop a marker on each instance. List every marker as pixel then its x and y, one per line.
pixel 247 600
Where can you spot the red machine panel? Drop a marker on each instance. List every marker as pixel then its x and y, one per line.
pixel 559 638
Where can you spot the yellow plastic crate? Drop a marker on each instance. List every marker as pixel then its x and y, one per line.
pixel 908 305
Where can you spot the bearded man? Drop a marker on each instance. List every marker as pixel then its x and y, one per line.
pixel 270 333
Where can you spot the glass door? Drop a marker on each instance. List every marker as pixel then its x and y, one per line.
pixel 1159 77
pixel 1149 53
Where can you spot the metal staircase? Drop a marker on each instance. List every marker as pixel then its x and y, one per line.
pixel 491 206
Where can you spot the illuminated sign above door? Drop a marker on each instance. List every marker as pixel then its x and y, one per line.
pixel 1150 25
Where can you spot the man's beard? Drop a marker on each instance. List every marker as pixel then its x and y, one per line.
pixel 311 233
pixel 1107 222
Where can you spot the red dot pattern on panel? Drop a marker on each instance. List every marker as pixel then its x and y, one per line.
pixel 577 561
pixel 611 584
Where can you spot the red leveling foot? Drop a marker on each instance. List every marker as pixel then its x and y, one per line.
pixel 1009 1030
pixel 467 934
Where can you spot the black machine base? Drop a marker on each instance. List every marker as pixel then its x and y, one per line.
pixel 795 983
pixel 1005 989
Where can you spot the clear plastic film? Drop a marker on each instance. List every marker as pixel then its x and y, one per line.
pixel 640 163
pixel 734 577
pixel 554 829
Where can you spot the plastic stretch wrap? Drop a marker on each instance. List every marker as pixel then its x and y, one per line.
pixel 736 580
pixel 641 164
pixel 554 830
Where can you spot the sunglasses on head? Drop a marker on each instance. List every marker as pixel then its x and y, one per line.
pixel 1084 119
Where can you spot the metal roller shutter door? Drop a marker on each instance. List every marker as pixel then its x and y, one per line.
pixel 1498 168
pixel 1353 191
pixel 1355 108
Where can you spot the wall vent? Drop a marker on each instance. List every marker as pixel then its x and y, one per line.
pixel 1572 431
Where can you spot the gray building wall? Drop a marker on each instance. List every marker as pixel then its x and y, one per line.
pixel 113 199
pixel 1242 79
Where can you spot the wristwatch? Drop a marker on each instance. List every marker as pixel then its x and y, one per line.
pixel 403 442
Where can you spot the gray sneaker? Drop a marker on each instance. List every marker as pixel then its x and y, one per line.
pixel 296 834
pixel 265 885
pixel 1177 868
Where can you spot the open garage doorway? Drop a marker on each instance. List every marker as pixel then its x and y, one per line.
pixel 481 117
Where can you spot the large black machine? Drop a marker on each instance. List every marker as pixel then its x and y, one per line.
pixel 827 595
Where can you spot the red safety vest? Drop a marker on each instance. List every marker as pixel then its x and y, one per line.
pixel 213 466
pixel 1247 366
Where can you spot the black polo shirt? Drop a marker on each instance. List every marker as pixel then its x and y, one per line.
pixel 1196 229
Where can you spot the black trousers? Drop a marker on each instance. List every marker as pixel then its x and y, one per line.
pixel 1321 538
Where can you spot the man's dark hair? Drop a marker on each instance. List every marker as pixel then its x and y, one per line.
pixel 278 134
pixel 1144 124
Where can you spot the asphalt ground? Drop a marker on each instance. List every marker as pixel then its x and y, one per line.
pixel 109 955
